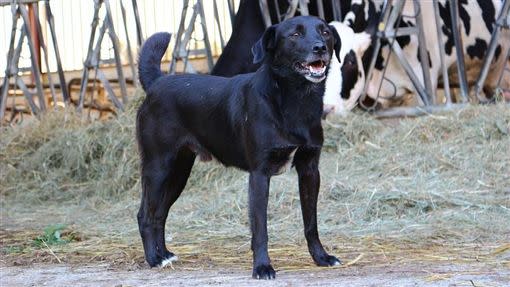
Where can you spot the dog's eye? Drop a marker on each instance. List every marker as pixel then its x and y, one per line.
pixel 325 33
pixel 295 34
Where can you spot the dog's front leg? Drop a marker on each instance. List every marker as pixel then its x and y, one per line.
pixel 258 196
pixel 307 166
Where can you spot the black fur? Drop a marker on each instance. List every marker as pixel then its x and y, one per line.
pixel 253 122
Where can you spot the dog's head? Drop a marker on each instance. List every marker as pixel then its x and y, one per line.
pixel 299 46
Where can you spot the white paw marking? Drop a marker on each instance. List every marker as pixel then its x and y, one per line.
pixel 337 263
pixel 168 261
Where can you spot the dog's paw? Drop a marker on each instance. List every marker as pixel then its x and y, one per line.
pixel 263 272
pixel 161 260
pixel 328 260
pixel 168 260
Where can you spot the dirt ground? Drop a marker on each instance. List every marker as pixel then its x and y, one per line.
pixel 92 260
pixel 436 274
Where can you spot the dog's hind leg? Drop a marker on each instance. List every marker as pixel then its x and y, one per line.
pixel 307 166
pixel 258 198
pixel 163 179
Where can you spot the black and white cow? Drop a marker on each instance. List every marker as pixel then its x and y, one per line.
pixel 344 84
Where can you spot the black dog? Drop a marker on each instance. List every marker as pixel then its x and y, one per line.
pixel 259 122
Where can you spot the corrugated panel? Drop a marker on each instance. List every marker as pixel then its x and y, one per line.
pixel 73 24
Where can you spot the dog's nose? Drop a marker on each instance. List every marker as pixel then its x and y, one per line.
pixel 319 48
pixel 327 109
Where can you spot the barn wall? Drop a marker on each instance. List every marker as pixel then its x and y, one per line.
pixel 73 20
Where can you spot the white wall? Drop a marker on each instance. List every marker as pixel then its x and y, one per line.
pixel 73 20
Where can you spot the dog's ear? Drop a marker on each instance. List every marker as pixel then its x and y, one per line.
pixel 337 44
pixel 264 44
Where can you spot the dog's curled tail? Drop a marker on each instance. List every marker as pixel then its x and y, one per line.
pixel 149 62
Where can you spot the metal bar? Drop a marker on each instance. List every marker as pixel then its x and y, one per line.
pixel 85 74
pixel 14 71
pixel 405 31
pixel 505 69
pixel 210 61
pixel 395 14
pixel 180 31
pixel 139 35
pixel 418 111
pixel 35 71
pixel 109 90
pixel 337 10
pixel 182 50
pixel 277 8
pixel 492 48
pixel 46 61
pixel 461 69
pixel 116 49
pixel 130 52
pixel 217 18
pixel 444 69
pixel 303 7
pixel 293 4
pixel 264 10
pixel 28 95
pixel 320 9
pixel 409 70
pixel 231 10
pixel 424 56
pixel 60 70
pixel 5 84
pixel 379 34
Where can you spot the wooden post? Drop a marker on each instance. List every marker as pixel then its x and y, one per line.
pixel 33 23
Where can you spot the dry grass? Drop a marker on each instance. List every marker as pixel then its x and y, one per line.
pixel 391 191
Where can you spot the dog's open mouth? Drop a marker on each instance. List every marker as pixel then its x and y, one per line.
pixel 313 71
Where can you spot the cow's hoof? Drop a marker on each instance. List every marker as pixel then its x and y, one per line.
pixel 328 260
pixel 263 272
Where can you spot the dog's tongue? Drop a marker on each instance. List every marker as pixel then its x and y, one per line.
pixel 316 67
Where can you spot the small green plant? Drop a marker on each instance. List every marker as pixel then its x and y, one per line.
pixel 12 249
pixel 53 235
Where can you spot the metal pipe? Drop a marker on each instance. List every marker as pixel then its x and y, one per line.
pixel 116 49
pixel 87 63
pixel 320 9
pixel 377 47
pixel 417 111
pixel 461 67
pixel 178 39
pixel 60 71
pixel 264 10
pixel 208 51
pixel 139 35
pixel 337 10
pixel 130 52
pixel 424 56
pixel 444 69
pixel 5 84
pixel 492 48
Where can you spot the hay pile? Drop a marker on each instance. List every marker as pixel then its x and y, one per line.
pixel 441 179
